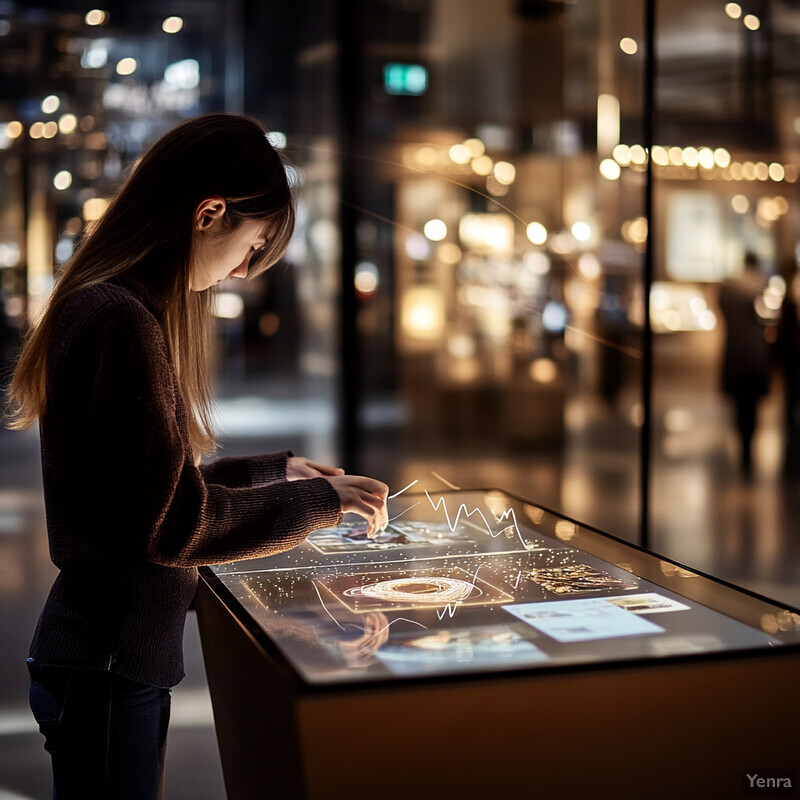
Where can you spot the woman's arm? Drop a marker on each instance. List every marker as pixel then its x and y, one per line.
pixel 240 471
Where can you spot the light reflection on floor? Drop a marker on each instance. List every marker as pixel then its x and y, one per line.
pixel 705 516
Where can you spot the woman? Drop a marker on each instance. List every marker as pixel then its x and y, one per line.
pixel 116 373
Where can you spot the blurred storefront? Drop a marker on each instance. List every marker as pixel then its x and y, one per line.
pixel 514 219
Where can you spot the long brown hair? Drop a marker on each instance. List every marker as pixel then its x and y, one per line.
pixel 143 241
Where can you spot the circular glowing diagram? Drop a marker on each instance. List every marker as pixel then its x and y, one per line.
pixel 433 591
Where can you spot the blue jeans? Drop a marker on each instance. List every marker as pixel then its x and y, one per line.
pixel 106 735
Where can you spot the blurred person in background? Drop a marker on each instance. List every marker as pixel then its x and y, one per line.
pixel 116 373
pixel 746 360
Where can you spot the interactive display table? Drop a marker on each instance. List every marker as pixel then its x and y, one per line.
pixel 484 644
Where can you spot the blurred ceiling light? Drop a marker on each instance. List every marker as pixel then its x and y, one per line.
pixel 705 157
pixel 782 206
pixel 675 156
pixel 62 180
pixel 67 123
pixel 690 156
pixel 184 74
pixel 228 305
pixel 722 157
pixel 50 104
pixel 94 208
pixel 582 231
pixel 505 173
pixel 740 204
pixel 609 169
pixel 638 154
pixel 776 171
pixel 449 253
pixel 459 154
pixel 628 46
pixel 366 279
pixel 660 155
pixel 638 230
pixel 762 171
pixel 435 230
pixel 492 234
pixel 482 165
pixel 417 247
pixel 96 17
pixel 634 230
pixel 589 266
pixel 737 171
pixel 543 370
pixel 428 156
pixel 536 233
pixel 50 129
pixel 14 129
pixel 36 130
pixel 422 312
pixel 751 22
pixel 766 209
pixel 127 66
pixel 95 56
pixel 172 25
pixel 562 243
pixel 733 10
pixel 537 262
pixel 554 316
pixel 607 123
pixel 791 173
pixel 475 146
pixel 461 345
pixel 494 187
pixel 622 154
pixel 9 254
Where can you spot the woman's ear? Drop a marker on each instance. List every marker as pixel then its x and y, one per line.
pixel 209 214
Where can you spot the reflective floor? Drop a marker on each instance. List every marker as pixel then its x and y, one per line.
pixel 708 517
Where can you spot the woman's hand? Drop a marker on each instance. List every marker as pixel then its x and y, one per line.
pixel 365 497
pixel 298 469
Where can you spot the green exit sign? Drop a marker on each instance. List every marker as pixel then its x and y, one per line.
pixel 405 79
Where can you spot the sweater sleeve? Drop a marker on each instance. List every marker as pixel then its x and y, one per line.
pixel 172 511
pixel 240 471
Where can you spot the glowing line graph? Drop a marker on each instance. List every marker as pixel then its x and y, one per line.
pixel 445 481
pixel 451 608
pixel 385 627
pixel 508 513
pixel 404 511
pixel 401 619
pixel 404 489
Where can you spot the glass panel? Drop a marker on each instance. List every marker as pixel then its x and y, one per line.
pixel 86 93
pixel 502 339
pixel 725 350
pixel 481 581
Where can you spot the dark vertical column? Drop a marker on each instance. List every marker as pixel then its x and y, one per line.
pixel 647 276
pixel 350 37
pixel 234 56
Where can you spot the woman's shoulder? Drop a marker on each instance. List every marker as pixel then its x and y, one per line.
pixel 106 304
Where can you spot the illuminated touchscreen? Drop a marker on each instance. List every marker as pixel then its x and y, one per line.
pixel 481 581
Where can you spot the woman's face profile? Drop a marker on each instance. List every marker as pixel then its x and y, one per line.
pixel 218 254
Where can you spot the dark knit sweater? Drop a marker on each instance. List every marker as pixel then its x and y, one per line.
pixel 129 515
